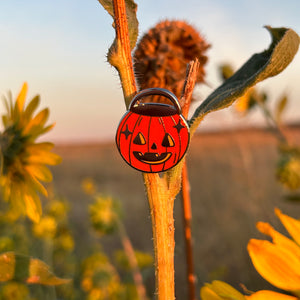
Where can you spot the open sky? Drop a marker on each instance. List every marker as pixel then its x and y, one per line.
pixel 59 47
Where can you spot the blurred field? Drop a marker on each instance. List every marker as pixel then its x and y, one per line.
pixel 233 185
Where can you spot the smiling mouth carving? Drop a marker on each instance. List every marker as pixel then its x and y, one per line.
pixel 152 158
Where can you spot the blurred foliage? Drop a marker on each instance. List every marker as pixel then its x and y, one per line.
pixel 14 291
pixel 26 269
pixel 45 229
pixel 52 241
pixel 100 279
pixel 89 187
pixel 288 165
pixel 105 214
pixel 144 260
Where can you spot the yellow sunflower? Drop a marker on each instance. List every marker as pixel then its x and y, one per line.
pixel 23 161
pixel 219 290
pixel 278 262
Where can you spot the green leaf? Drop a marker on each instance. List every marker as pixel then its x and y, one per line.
pixel 280 107
pixel 284 46
pixel 133 23
pixel 26 269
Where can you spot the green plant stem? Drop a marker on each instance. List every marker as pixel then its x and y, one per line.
pixel 272 123
pixel 129 251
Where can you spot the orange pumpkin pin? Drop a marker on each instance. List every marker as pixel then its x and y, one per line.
pixel 153 137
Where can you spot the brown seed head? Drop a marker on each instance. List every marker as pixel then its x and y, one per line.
pixel 162 55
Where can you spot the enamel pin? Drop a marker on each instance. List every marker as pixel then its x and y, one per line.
pixel 153 137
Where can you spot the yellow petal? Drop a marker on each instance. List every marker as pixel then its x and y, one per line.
pixel 46 129
pixel 275 264
pixel 47 158
pixel 242 103
pixel 292 225
pixel 39 154
pixel 33 186
pixel 207 294
pixel 31 107
pixel 225 290
pixel 37 122
pixel 21 97
pixel 265 295
pixel 33 207
pixel 41 172
pixel 278 238
pixel 38 147
pixel 16 199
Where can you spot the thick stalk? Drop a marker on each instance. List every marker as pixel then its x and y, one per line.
pixel 161 208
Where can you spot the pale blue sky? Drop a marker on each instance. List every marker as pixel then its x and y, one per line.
pixel 59 47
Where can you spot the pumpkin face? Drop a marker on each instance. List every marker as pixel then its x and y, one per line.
pixel 152 137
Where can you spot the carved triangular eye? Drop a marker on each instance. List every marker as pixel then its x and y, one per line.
pixel 139 139
pixel 168 141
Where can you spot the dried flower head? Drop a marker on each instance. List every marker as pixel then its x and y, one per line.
pixel 162 55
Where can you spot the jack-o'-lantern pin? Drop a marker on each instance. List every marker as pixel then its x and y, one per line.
pixel 153 137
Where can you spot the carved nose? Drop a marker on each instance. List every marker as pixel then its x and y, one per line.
pixel 153 147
